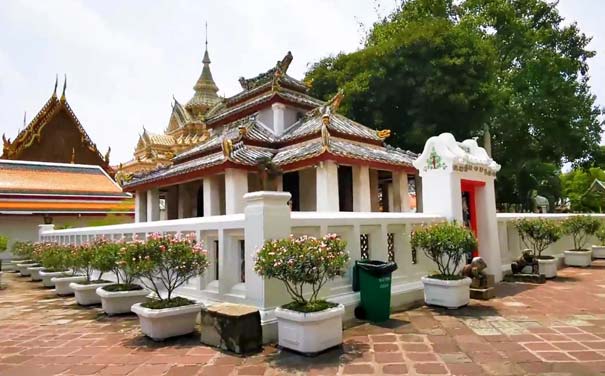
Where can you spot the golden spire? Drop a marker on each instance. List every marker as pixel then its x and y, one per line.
pixel 56 83
pixel 64 87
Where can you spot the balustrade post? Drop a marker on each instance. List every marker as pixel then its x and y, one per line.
pixel 44 228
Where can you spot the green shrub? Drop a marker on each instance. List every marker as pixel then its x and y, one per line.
pixel 303 261
pixel 56 257
pixel 580 227
pixel 3 243
pixel 165 262
pixel 23 250
pixel 538 233
pixel 446 244
pixel 109 257
pixel 600 234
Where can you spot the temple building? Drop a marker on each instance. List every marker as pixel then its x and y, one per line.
pixel 65 194
pixel 55 135
pixel 326 161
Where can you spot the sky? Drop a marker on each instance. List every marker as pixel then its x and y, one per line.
pixel 125 60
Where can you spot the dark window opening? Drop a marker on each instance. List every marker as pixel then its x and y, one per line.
pixel 345 188
pixel 291 184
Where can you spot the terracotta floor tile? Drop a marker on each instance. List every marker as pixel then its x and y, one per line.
pixel 394 369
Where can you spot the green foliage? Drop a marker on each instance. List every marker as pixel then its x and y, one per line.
pixel 109 256
pixel 172 303
pixel 122 287
pixel 165 262
pixel 83 260
pixel 302 261
pixel 437 66
pixel 538 233
pixel 23 250
pixel 600 234
pixel 446 244
pixel 56 257
pixel 316 306
pixel 580 227
pixel 3 243
pixel 575 185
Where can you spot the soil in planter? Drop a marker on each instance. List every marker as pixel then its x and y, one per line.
pixel 54 271
pixel 95 282
pixel 172 303
pixel 121 287
pixel 444 277
pixel 545 257
pixel 309 307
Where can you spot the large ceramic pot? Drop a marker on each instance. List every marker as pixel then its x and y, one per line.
pixel 62 287
pixel 23 268
pixel 310 333
pixel 86 294
pixel 159 324
pixel 598 251
pixel 13 264
pixel 34 273
pixel 447 293
pixel 117 302
pixel 578 258
pixel 48 276
pixel 548 267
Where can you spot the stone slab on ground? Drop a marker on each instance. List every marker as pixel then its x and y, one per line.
pixel 483 294
pixel 232 327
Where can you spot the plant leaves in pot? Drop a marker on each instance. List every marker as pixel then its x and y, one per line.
pixel 580 228
pixel 538 234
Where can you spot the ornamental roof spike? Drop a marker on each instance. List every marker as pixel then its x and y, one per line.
pixel 56 83
pixel 335 101
pixel 64 88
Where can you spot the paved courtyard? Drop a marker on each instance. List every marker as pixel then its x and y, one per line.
pixel 552 329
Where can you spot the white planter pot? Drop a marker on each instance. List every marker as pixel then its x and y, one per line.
pixel 23 269
pixel 117 302
pixel 62 284
pixel 578 258
pixel 548 267
pixel 310 333
pixel 47 276
pixel 449 294
pixel 34 273
pixel 598 251
pixel 159 324
pixel 87 294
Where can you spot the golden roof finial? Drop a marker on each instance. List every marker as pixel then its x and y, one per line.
pixel 383 134
pixel 56 83
pixel 107 154
pixel 227 148
pixel 64 87
pixel 336 100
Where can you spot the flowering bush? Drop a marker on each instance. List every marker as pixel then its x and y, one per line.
pixel 165 262
pixel 580 227
pixel 55 257
pixel 23 250
pixel 446 244
pixel 538 233
pixel 601 235
pixel 110 257
pixel 301 261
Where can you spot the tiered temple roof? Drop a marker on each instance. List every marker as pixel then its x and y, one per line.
pixel 238 138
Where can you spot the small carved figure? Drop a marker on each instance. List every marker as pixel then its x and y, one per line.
pixel 475 269
pixel 526 259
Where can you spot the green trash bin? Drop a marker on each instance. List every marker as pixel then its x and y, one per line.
pixel 372 278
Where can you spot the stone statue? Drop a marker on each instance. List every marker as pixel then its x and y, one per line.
pixel 482 285
pixel 524 264
pixel 539 203
pixel 475 270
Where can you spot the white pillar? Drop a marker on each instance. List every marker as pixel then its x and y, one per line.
pixel 153 205
pixel 362 196
pixel 401 195
pixel 236 186
pixel 279 118
pixel 327 187
pixel 487 236
pixel 374 202
pixel 212 196
pixel 44 228
pixel 267 217
pixel 140 206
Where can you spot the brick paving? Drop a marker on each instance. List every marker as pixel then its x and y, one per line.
pixel 552 329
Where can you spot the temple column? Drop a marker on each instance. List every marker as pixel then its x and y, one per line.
pixel 212 196
pixel 401 195
pixel 279 117
pixel 418 184
pixel 362 196
pixel 153 205
pixel 140 206
pixel 236 186
pixel 327 187
pixel 374 201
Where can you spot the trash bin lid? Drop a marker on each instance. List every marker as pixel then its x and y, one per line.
pixel 376 267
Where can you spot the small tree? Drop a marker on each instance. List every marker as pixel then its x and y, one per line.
pixel 110 257
pixel 166 262
pixel 56 257
pixel 23 250
pixel 303 261
pixel 601 235
pixel 82 260
pixel 580 227
pixel 538 233
pixel 446 244
pixel 3 243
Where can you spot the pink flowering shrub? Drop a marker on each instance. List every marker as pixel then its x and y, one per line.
pixel 110 256
pixel 165 262
pixel 301 261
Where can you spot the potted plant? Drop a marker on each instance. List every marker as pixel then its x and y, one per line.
pixel 598 251
pixel 63 263
pixel 118 298
pixel 163 263
pixel 34 271
pixel 53 258
pixel 446 244
pixel 308 324
pixel 23 251
pixel 580 227
pixel 90 258
pixel 537 234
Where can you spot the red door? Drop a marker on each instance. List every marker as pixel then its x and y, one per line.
pixel 469 207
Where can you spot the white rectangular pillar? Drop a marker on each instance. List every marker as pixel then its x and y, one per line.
pixel 153 205
pixel 401 195
pixel 279 118
pixel 374 199
pixel 418 184
pixel 236 186
pixel 140 206
pixel 327 187
pixel 362 196
pixel 212 196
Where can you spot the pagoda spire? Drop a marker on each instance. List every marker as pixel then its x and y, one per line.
pixel 64 88
pixel 56 83
pixel 205 88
